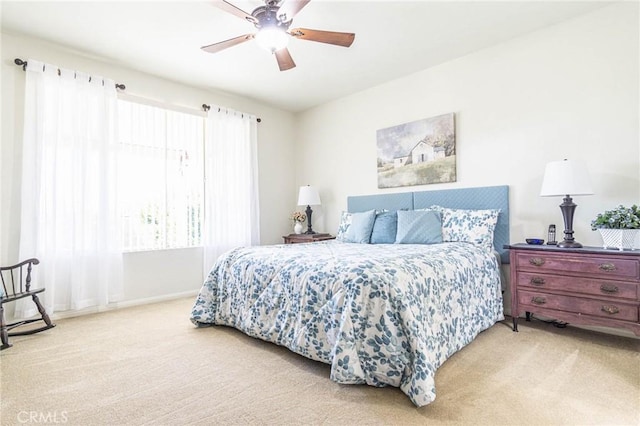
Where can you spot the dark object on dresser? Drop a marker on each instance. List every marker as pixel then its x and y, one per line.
pixel 551 238
pixel 535 241
pixel 16 284
pixel 588 286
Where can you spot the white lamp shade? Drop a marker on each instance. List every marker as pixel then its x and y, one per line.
pixel 566 177
pixel 308 196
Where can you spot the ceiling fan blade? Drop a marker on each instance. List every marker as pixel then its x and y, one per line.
pixel 216 47
pixel 330 37
pixel 285 61
pixel 289 8
pixel 234 10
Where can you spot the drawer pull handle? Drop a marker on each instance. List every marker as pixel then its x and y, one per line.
pixel 541 300
pixel 608 267
pixel 608 288
pixel 536 261
pixel 610 309
pixel 537 281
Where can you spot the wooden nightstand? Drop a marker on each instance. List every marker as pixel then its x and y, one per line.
pixel 306 238
pixel 589 286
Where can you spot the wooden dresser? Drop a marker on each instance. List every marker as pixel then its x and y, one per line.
pixel 588 286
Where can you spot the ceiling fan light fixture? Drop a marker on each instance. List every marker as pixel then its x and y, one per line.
pixel 272 38
pixel 272 22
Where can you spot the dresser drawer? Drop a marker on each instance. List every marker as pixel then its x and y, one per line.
pixel 593 266
pixel 598 308
pixel 587 286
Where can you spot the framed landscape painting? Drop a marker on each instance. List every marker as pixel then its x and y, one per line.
pixel 417 153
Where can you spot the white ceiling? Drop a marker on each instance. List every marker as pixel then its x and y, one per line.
pixel 393 39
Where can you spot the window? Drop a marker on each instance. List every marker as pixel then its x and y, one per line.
pixel 161 177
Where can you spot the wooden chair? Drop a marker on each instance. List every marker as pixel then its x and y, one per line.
pixel 16 284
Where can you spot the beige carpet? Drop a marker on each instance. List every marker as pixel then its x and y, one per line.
pixel 149 365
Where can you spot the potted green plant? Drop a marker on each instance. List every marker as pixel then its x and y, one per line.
pixel 619 227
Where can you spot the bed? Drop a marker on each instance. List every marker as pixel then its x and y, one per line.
pixel 384 314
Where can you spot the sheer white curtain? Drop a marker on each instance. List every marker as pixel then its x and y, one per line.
pixel 231 184
pixel 69 217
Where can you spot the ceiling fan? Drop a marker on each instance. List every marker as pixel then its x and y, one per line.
pixel 273 21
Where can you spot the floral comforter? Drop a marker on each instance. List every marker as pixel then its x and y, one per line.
pixel 387 314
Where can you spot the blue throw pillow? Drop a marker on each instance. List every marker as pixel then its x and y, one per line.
pixel 361 226
pixel 384 228
pixel 419 227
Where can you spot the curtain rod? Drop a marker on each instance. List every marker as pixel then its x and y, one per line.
pixel 206 108
pixel 23 64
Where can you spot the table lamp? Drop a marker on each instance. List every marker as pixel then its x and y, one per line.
pixel 566 178
pixel 308 195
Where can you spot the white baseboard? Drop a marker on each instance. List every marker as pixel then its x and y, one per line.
pixel 123 304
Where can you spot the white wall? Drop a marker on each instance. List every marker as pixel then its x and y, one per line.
pixel 150 275
pixel 567 91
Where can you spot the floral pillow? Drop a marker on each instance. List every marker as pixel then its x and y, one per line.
pixel 345 222
pixel 473 226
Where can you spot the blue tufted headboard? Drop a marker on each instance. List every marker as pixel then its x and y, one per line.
pixel 486 197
